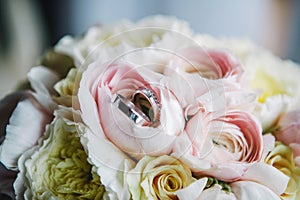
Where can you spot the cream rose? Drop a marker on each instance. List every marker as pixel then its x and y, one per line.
pixel 281 157
pixel 158 178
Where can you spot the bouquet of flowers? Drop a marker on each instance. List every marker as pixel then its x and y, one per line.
pixel 151 110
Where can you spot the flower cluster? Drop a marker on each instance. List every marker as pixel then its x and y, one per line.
pixel 151 110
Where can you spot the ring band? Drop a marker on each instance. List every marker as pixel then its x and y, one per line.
pixel 143 108
pixel 129 109
pixel 148 96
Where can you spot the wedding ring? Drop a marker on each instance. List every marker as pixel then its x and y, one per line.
pixel 143 108
pixel 133 112
pixel 146 100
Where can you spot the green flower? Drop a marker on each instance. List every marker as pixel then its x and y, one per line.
pixel 67 88
pixel 59 169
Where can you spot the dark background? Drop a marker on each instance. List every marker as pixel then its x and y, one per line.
pixel 29 27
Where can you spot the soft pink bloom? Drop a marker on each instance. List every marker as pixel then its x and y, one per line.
pixel 100 85
pixel 289 131
pixel 227 141
pixel 229 146
pixel 209 63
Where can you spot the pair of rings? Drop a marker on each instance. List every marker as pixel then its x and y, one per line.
pixel 143 108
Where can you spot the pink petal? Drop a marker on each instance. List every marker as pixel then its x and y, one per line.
pixel 134 140
pixel 213 64
pixel 296 149
pixel 289 128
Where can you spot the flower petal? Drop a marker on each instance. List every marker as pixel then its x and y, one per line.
pixel 25 127
pixel 216 193
pixel 266 175
pixel 42 81
pixel 7 106
pixel 193 190
pixel 252 190
pixel 112 167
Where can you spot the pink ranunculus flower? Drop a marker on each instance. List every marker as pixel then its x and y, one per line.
pixel 209 63
pixel 289 132
pixel 228 146
pixel 227 142
pixel 100 86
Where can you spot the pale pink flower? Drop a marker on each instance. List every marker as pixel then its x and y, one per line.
pixel 227 142
pixel 97 92
pixel 209 63
pixel 228 146
pixel 289 131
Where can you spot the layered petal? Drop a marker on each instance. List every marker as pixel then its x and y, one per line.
pixel 58 167
pixel 228 142
pixel 209 63
pixel 252 190
pixel 26 126
pixel 110 122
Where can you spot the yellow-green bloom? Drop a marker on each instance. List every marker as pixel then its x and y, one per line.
pixel 59 169
pixel 281 157
pixel 67 88
pixel 269 85
pixel 69 85
pixel 158 178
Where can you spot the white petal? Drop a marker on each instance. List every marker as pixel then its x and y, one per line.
pixel 67 45
pixel 216 193
pixel 267 175
pixel 112 165
pixel 252 190
pixel 42 81
pixel 269 112
pixel 19 186
pixel 269 144
pixel 25 127
pixel 193 191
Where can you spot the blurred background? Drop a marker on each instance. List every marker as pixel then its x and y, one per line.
pixel 29 27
